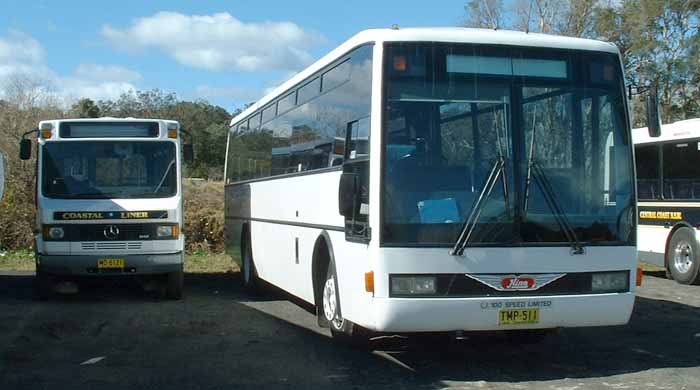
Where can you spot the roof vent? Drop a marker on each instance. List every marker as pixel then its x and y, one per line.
pixel 394 26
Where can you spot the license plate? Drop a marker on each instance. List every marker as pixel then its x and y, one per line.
pixel 110 263
pixel 518 316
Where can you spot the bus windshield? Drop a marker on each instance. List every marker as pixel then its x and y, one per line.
pixel 109 169
pixel 557 120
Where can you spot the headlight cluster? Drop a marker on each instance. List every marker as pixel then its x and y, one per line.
pixel 413 285
pixel 610 282
pixel 53 233
pixel 168 231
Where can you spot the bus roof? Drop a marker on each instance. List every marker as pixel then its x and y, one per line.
pixel 686 129
pixel 441 34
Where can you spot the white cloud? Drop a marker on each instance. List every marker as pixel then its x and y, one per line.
pixel 22 55
pixel 95 72
pixel 19 47
pixel 219 41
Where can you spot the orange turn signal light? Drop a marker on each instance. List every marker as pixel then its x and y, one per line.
pixel 176 231
pixel 640 276
pixel 46 133
pixel 369 281
pixel 172 133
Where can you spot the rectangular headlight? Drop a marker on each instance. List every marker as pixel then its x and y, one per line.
pixel 610 281
pixel 168 231
pixel 413 285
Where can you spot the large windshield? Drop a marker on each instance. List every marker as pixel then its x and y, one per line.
pixel 109 169
pixel 556 118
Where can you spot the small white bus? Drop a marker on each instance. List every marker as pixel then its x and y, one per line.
pixel 668 188
pixel 108 200
pixel 428 180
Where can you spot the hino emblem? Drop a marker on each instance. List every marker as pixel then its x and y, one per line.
pixel 111 232
pixel 518 283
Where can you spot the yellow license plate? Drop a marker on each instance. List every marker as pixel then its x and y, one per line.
pixel 110 263
pixel 518 316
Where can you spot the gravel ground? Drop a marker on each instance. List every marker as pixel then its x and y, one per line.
pixel 114 336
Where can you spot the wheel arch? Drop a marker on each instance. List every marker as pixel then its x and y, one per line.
pixel 322 256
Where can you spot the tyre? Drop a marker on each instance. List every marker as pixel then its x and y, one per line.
pixel 42 285
pixel 174 285
pixel 682 257
pixel 342 330
pixel 249 274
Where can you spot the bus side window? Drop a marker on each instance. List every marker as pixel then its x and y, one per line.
pixel 358 139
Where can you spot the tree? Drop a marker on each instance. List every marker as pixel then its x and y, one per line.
pixel 85 108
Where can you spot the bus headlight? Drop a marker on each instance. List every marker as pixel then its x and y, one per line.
pixel 610 281
pixel 53 233
pixel 168 231
pixel 413 285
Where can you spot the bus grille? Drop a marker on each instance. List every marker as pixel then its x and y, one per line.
pixel 109 246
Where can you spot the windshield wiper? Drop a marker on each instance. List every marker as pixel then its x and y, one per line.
pixel 162 180
pixel 468 227
pixel 535 171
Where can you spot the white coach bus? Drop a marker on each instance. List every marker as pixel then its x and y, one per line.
pixel 441 180
pixel 668 187
pixel 108 199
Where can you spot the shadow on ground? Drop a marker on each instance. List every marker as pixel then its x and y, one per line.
pixel 217 338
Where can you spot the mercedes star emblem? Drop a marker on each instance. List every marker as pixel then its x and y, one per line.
pixel 111 232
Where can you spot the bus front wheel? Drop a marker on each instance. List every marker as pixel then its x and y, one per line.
pixel 342 330
pixel 682 257
pixel 249 274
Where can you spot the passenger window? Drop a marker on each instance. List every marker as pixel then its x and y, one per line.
pixel 269 113
pixel 647 159
pixel 287 103
pixel 682 170
pixel 358 137
pixel 336 76
pixel 309 91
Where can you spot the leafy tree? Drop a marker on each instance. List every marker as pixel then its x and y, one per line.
pixel 85 108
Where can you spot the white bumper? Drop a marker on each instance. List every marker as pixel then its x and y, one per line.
pixel 450 314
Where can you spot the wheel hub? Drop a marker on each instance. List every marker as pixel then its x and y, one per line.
pixel 683 257
pixel 330 304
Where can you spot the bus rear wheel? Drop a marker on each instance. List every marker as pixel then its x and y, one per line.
pixel 342 330
pixel 682 257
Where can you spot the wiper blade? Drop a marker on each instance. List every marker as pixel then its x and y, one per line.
pixel 536 172
pixel 470 223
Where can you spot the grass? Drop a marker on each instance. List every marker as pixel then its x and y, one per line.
pixel 197 263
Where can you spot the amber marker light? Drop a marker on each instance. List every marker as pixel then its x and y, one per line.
pixel 46 130
pixel 369 281
pixel 400 63
pixel 640 276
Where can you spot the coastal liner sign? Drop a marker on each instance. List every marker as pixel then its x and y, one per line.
pixel 98 215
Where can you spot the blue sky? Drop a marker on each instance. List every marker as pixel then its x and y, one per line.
pixel 227 52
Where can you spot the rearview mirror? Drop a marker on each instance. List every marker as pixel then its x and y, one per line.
pixel 347 194
pixel 188 153
pixel 25 149
pixel 653 116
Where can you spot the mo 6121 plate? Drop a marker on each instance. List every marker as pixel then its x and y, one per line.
pixel 518 316
pixel 110 263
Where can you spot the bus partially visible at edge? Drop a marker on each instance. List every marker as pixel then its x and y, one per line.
pixel 668 187
pixel 430 180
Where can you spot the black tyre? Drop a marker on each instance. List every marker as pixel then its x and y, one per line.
pixel 43 284
pixel 175 283
pixel 342 330
pixel 682 257
pixel 249 274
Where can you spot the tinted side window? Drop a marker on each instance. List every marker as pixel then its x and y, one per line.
pixel 682 170
pixel 307 136
pixel 647 159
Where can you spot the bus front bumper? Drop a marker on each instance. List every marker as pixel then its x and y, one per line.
pixel 144 264
pixel 477 314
